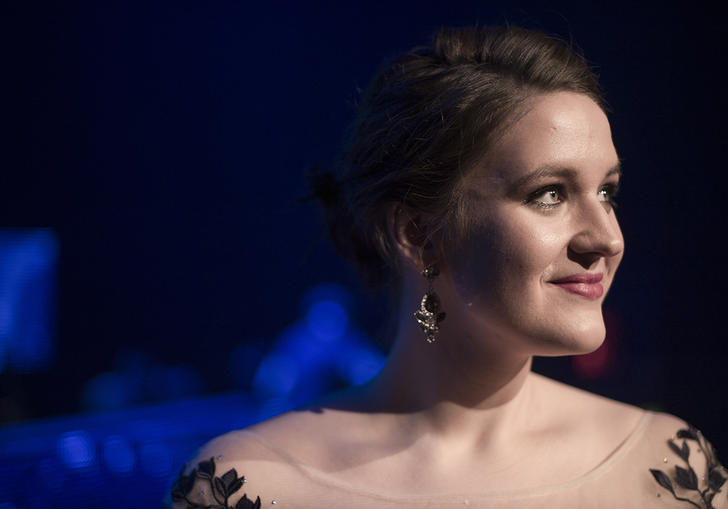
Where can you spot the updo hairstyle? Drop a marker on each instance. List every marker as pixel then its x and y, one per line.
pixel 424 121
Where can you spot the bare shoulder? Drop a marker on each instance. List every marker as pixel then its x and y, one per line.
pixel 240 469
pixel 607 417
pixel 675 438
pixel 592 413
pixel 661 451
pixel 683 463
pixel 666 425
pixel 262 462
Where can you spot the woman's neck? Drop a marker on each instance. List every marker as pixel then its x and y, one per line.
pixel 453 390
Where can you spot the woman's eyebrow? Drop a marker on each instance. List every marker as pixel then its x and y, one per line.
pixel 615 170
pixel 556 171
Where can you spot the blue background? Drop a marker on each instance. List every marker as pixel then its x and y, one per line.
pixel 164 145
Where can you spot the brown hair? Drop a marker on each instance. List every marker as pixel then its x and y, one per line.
pixel 424 121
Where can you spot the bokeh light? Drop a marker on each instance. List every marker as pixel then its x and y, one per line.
pixel 276 376
pixel 118 454
pixel 327 320
pixel 155 458
pixel 76 449
pixel 27 298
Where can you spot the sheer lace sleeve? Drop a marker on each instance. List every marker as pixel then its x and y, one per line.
pixel 201 488
pixel 700 478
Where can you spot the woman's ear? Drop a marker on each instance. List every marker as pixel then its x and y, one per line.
pixel 411 236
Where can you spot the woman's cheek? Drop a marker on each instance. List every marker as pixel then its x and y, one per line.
pixel 487 264
pixel 475 265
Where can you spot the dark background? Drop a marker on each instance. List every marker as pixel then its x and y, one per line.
pixel 165 144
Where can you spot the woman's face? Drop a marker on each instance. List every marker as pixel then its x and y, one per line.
pixel 544 241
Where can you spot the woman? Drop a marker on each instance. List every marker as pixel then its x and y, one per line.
pixel 479 184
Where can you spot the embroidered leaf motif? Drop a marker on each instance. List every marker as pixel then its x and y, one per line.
pixel 662 479
pixel 686 478
pixel 206 469
pixel 715 479
pixel 220 487
pixel 683 452
pixel 229 477
pixel 690 433
pixel 231 482
pixel 246 503
pixel 183 485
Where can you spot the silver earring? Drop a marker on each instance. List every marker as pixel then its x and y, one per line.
pixel 429 315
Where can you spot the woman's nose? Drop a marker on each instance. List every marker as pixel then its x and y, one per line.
pixel 597 231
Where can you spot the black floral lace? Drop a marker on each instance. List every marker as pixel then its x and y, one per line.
pixel 216 490
pixel 686 478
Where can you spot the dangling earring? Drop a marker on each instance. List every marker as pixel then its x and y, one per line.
pixel 429 315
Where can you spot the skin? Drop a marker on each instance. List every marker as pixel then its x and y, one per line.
pixel 525 234
pixel 466 413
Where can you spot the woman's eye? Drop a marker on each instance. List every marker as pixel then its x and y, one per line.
pixel 608 193
pixel 546 198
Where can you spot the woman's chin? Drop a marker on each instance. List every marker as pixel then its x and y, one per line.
pixel 579 340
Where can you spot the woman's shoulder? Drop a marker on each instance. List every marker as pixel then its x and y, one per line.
pixel 682 462
pixel 650 450
pixel 245 468
pixel 219 475
pixel 605 417
pixel 240 469
pixel 603 412
pixel 579 413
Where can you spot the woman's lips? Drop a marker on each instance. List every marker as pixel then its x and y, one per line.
pixel 586 284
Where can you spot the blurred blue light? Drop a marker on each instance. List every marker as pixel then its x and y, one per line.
pixel 48 470
pixel 318 353
pixel 140 383
pixel 271 407
pixel 276 376
pixel 243 362
pixel 27 307
pixel 156 459
pixel 298 343
pixel 108 391
pixel 363 365
pixel 326 291
pixel 76 449
pixel 118 455
pixel 327 320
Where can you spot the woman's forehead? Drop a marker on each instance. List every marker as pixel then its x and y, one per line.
pixel 558 130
